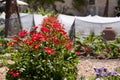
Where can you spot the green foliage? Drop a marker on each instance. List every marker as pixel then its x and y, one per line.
pixel 39 11
pixel 79 3
pixel 43 55
pixel 4 59
pixel 118 69
pixel 98 47
pixel 2 33
pixel 3 45
pixel 35 5
pixel 115 48
pixel 4 56
pixel 113 77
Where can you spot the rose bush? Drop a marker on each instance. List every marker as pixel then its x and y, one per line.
pixel 47 54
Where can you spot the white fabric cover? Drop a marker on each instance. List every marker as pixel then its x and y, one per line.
pixel 67 21
pixel 38 18
pixel 85 25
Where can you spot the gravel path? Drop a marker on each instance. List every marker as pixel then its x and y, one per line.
pixel 85 67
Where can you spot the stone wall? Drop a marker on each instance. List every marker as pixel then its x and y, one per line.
pixel 100 5
pixel 98 8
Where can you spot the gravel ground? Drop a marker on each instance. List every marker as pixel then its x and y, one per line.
pixel 85 67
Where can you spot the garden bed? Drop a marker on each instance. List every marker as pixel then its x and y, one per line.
pixel 85 67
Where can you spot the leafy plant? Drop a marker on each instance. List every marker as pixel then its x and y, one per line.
pixel 47 54
pixel 98 47
pixel 115 48
pixel 92 45
pixel 79 3
pixel 2 33
pixel 45 4
pixel 4 56
pixel 3 45
pixel 118 69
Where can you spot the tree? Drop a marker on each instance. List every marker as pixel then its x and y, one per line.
pixel 80 5
pixel 118 2
pixel 106 9
pixel 12 18
pixel 37 4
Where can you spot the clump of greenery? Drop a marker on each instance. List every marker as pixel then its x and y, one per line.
pixel 3 45
pixel 98 47
pixel 118 69
pixel 4 56
pixel 47 54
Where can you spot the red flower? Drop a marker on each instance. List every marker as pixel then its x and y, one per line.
pixel 31 33
pixel 35 27
pixel 44 29
pixel 78 53
pixel 11 72
pixel 43 39
pixel 63 32
pixel 23 34
pixel 49 50
pixel 11 44
pixel 28 42
pixel 37 36
pixel 16 74
pixel 37 46
pixel 16 39
pixel 56 41
pixel 69 47
pixel 56 25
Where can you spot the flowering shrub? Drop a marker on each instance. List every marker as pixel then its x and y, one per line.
pixel 106 75
pixel 47 54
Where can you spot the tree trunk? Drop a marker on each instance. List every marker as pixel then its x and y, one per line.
pixel 106 9
pixel 12 19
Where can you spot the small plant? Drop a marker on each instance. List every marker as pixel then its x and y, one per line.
pixel 4 56
pixel 115 48
pixel 47 54
pixel 3 45
pixel 98 47
pixel 102 73
pixel 92 46
pixel 118 69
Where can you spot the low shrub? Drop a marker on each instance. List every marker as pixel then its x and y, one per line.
pixel 98 47
pixel 45 54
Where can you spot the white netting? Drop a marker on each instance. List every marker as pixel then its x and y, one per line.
pixel 82 25
pixel 85 25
